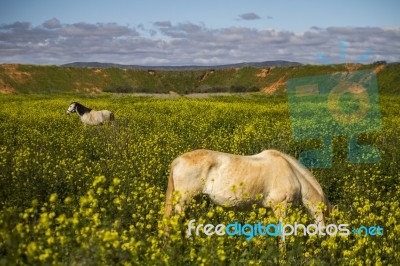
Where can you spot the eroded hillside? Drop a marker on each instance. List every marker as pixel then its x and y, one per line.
pixel 52 79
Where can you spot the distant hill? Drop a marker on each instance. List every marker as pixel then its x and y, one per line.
pixel 276 63
pixel 98 77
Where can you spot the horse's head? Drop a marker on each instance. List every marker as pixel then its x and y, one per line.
pixel 71 108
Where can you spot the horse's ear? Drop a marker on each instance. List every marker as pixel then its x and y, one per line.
pixel 335 207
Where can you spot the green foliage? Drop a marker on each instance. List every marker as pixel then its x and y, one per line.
pixel 389 79
pixel 71 194
pixel 54 79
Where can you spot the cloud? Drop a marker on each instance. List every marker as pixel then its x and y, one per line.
pixel 249 16
pixel 163 24
pixel 187 43
pixel 16 26
pixel 53 23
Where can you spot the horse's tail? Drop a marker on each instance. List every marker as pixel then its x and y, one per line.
pixel 112 117
pixel 169 194
pixel 307 179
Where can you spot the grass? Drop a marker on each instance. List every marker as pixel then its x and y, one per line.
pixel 71 194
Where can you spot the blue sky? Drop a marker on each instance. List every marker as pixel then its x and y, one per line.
pixel 196 32
pixel 286 15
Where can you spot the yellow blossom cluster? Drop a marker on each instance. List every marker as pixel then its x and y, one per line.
pixel 76 195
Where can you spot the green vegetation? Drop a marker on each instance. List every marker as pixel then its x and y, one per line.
pixel 76 195
pixel 54 79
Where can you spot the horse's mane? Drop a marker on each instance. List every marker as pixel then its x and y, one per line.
pixel 81 110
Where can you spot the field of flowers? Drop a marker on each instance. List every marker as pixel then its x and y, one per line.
pixel 71 194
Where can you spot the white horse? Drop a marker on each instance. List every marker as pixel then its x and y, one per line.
pixel 270 179
pixel 89 116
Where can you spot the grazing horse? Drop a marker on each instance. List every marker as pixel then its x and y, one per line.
pixel 89 116
pixel 270 179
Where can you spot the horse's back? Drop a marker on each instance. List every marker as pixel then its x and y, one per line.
pixel 107 115
pixel 236 165
pixel 222 175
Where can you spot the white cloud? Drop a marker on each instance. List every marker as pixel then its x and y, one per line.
pixel 189 43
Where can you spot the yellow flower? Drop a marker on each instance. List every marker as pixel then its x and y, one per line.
pixel 50 240
pixel 53 197
pixel 116 181
pixel 31 249
pixel 98 180
pixel 99 190
pixel 45 255
pixel 35 202
pixel 67 200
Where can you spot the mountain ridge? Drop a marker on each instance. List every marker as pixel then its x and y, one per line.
pixel 272 63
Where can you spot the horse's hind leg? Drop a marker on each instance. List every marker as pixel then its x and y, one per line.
pixel 187 183
pixel 278 205
pixel 184 199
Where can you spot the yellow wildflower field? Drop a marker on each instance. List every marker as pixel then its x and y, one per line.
pixel 81 195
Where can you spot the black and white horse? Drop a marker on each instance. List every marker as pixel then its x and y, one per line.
pixel 89 116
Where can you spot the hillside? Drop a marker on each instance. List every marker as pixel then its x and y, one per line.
pixel 64 79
